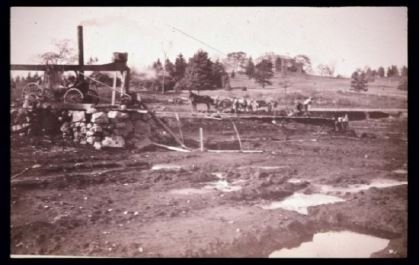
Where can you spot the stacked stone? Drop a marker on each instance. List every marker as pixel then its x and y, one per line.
pixel 98 128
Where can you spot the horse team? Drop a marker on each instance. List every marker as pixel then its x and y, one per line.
pixel 234 105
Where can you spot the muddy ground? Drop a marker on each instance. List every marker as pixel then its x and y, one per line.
pixel 73 200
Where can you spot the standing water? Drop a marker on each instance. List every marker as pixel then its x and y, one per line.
pixel 300 202
pixel 344 244
pixel 375 183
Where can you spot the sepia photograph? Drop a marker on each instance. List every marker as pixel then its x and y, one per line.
pixel 239 132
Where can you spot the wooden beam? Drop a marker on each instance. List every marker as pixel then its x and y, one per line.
pixel 70 67
pixel 163 125
pixel 238 135
pixel 173 148
pixel 114 89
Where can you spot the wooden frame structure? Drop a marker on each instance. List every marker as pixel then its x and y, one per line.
pixel 116 67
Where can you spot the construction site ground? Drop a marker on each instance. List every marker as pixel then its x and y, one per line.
pixel 74 200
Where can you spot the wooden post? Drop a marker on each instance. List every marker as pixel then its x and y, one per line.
pixel 81 49
pixel 122 88
pixel 180 127
pixel 238 135
pixel 201 139
pixel 114 89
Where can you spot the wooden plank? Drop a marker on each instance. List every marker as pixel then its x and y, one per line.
pixel 173 148
pixel 180 127
pixel 238 135
pixel 71 106
pixel 235 151
pixel 165 127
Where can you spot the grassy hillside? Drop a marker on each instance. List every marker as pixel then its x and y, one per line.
pixel 333 92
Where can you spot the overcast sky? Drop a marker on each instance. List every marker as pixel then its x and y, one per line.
pixel 348 37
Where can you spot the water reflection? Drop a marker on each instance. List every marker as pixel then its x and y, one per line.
pixel 343 244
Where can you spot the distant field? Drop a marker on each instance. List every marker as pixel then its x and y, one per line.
pixel 327 92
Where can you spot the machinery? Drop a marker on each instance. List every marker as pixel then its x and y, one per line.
pixel 83 89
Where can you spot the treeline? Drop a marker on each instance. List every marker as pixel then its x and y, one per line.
pixel 360 78
pixel 199 73
pixel 391 71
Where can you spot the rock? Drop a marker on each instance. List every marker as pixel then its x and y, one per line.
pixel 90 139
pixel 117 115
pixel 78 116
pixel 91 110
pixel 65 127
pixel 115 141
pixel 97 128
pixel 120 125
pixel 99 118
pixel 97 145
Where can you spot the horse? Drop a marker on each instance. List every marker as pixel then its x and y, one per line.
pixel 198 99
pixel 267 106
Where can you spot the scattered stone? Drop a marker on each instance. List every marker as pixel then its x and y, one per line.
pixel 115 141
pixel 99 118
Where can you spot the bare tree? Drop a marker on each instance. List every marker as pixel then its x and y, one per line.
pixel 63 54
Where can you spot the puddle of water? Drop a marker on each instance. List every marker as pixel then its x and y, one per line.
pixel 295 181
pixel 166 167
pixel 188 191
pixel 300 202
pixel 222 185
pixel 377 183
pixel 400 171
pixel 343 244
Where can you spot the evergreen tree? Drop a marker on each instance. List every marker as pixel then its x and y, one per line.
pixel 180 67
pixel 381 71
pixel 169 67
pixel 157 66
pixel 218 74
pixel 369 75
pixel 389 72
pixel 359 81
pixel 278 64
pixel 404 71
pixel 250 68
pixel 263 72
pixel 394 70
pixel 198 73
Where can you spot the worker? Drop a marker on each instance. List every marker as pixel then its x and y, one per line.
pixel 345 122
pixel 307 103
